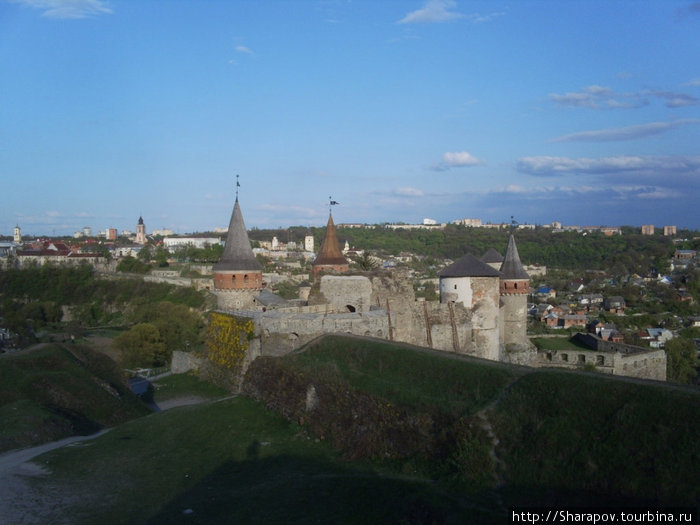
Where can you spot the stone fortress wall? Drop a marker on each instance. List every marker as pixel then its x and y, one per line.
pixel 384 306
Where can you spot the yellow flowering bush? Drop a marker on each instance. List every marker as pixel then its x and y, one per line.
pixel 227 339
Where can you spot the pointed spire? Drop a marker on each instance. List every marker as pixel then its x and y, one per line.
pixel 238 255
pixel 512 268
pixel 330 253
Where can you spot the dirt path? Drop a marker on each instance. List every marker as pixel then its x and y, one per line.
pixel 23 503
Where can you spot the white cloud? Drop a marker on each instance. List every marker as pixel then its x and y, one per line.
pixel 659 193
pixel 297 211
pixel 626 133
pixel 434 11
pixel 244 49
pixel 599 97
pixel 545 165
pixel 68 8
pixel 675 100
pixel 457 159
pixel 437 11
pixel 695 82
pixel 409 192
pixel 477 18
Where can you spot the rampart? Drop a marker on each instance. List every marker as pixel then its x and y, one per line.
pixel 608 357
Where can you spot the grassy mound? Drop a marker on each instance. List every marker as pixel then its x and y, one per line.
pixel 608 438
pixel 234 461
pixel 369 432
pixel 56 391
pixel 485 425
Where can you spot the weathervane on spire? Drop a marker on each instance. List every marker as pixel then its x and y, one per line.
pixel 331 204
pixel 513 224
pixel 238 185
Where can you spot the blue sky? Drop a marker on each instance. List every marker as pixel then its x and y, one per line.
pixel 583 112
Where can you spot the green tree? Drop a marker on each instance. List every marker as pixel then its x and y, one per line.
pixel 176 323
pixel 141 346
pixel 145 253
pixel 366 262
pixel 161 256
pixel 680 360
pixel 132 265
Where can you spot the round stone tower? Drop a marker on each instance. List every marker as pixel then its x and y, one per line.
pixel 238 274
pixel 514 288
pixel 475 284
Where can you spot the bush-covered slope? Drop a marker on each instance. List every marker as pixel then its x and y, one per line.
pixel 55 391
pixel 562 436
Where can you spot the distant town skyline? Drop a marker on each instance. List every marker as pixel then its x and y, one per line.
pixel 87 232
pixel 584 113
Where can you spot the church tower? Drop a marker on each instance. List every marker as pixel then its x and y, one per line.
pixel 18 235
pixel 330 258
pixel 238 274
pixel 140 232
pixel 514 289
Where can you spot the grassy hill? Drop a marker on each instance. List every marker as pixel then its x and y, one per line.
pixel 360 431
pixel 55 391
pixel 548 434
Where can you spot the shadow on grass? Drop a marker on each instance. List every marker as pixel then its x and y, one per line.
pixel 290 489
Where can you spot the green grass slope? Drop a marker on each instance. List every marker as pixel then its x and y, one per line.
pixel 548 435
pixel 360 431
pixel 233 461
pixel 600 437
pixel 55 391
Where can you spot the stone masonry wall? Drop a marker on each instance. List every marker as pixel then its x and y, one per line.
pixel 347 293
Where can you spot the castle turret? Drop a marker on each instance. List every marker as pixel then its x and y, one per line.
pixel 237 269
pixel 493 258
pixel 475 284
pixel 330 258
pixel 514 288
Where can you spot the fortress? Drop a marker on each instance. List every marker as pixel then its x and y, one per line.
pixel 482 311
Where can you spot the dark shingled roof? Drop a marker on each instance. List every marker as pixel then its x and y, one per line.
pixel 267 298
pixel 330 249
pixel 469 266
pixel 238 255
pixel 492 256
pixel 512 268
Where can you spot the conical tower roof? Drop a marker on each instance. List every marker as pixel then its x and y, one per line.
pixel 238 255
pixel 492 256
pixel 512 268
pixel 330 253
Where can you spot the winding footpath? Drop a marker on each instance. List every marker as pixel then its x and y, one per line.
pixel 22 503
